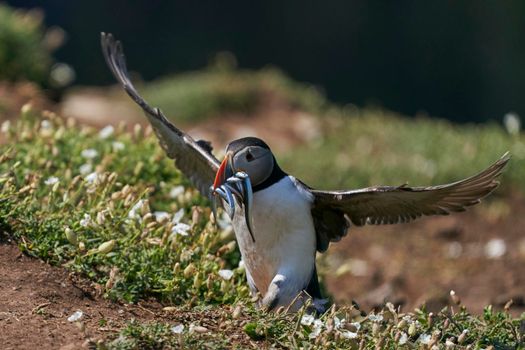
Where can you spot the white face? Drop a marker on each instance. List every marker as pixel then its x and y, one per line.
pixel 256 161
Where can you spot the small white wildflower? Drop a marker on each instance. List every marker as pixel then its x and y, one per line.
pixel 224 221
pixel 160 215
pixel 375 318
pixel 357 325
pixel 92 177
pixel 176 191
pixel 495 248
pixel 512 123
pixel 241 264
pixel 45 124
pixel 89 153
pixel 317 328
pixel 5 126
pixel 76 316
pixel 178 329
pixel 51 180
pixel 424 338
pixel 106 132
pixel 134 212
pixel 403 339
pixel 307 320
pixel 177 217
pixel 86 221
pixel 181 229
pixel 226 274
pixel 118 146
pixel 85 168
pixel 347 334
pixel 339 323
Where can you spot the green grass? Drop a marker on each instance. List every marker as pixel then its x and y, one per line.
pixel 370 147
pixel 23 51
pixel 221 88
pixel 92 224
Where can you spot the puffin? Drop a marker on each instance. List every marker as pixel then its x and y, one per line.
pixel 280 223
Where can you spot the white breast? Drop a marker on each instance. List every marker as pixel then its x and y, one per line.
pixel 284 236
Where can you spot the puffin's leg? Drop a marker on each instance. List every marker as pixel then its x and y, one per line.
pixel 284 291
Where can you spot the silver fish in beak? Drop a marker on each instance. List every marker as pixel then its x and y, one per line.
pixel 228 186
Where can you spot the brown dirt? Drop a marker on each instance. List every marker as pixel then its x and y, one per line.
pixel 36 300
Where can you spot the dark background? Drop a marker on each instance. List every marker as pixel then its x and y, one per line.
pixel 462 60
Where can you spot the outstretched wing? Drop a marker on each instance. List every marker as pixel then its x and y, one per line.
pixel 192 157
pixel 391 205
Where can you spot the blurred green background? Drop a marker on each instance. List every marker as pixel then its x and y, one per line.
pixel 460 60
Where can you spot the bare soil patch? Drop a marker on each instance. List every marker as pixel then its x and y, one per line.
pixel 36 300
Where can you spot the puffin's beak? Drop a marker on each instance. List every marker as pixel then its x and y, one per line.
pixel 225 171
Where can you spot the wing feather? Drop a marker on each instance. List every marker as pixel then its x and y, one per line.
pixel 192 157
pixel 397 204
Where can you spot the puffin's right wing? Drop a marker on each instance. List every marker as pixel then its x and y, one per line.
pixel 334 210
pixel 192 157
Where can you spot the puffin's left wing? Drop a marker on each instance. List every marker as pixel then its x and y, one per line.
pixel 192 157
pixel 391 205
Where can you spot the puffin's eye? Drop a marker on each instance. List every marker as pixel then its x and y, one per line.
pixel 249 157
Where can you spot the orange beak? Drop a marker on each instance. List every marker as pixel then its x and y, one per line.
pixel 224 172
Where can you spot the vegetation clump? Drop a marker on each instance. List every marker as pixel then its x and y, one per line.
pixel 26 46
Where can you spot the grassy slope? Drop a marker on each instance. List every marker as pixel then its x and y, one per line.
pixel 122 247
pixel 370 147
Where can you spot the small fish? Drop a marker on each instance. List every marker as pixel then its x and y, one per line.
pixel 238 186
pixel 227 195
pixel 247 200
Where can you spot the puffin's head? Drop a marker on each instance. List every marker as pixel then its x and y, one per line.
pixel 249 154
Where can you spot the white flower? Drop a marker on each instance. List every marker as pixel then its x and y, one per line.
pixel 45 125
pixel 357 325
pixel 85 168
pixel 403 339
pixel 51 180
pixel 134 212
pixel 91 177
pixel 495 248
pixel 318 327
pixel 348 335
pixel 178 329
pixel 241 264
pixel 339 323
pixel 375 318
pixel 86 221
pixel 307 320
pixel 118 146
pixel 89 153
pixel 5 126
pixel 76 316
pixel 512 123
pixel 226 274
pixel 224 221
pixel 424 338
pixel 106 132
pixel 176 191
pixel 177 217
pixel 181 229
pixel 160 215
